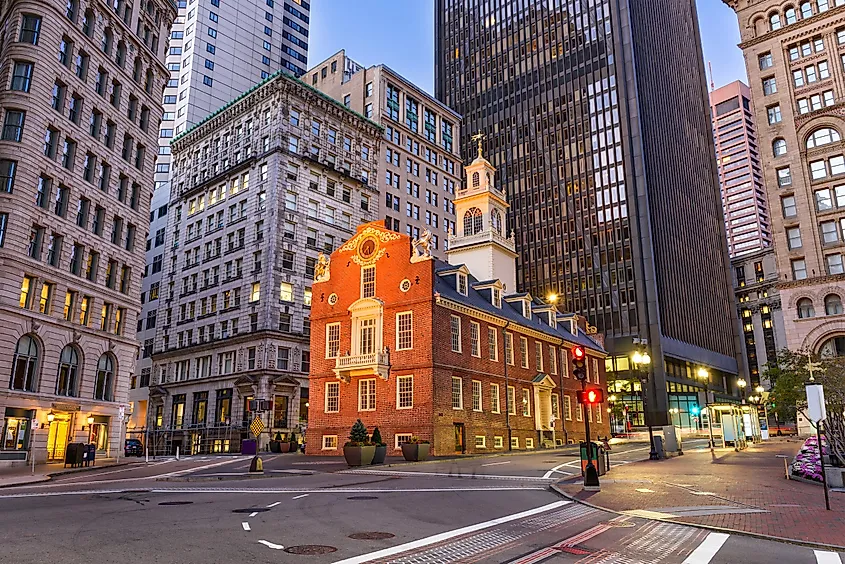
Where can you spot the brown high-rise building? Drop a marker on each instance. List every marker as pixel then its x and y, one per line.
pixel 597 116
pixel 794 59
pixel 81 104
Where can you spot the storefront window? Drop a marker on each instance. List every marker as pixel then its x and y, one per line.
pixel 15 433
pixel 100 435
pixel 223 410
pixel 280 412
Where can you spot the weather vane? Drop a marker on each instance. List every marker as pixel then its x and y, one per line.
pixel 478 137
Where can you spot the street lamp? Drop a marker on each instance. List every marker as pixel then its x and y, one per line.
pixel 741 383
pixel 641 362
pixel 675 411
pixel 611 400
pixel 703 374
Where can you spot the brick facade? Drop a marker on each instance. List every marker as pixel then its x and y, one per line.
pixel 406 282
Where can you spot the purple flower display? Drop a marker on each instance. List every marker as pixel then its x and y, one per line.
pixel 807 463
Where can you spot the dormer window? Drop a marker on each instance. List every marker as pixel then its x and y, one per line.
pixel 462 284
pixel 497 298
pixel 368 282
pixel 526 309
pixel 553 319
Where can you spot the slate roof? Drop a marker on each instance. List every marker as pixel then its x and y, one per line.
pixel 447 288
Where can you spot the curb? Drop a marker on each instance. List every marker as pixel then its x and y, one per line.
pixel 797 542
pixel 47 477
pixel 548 451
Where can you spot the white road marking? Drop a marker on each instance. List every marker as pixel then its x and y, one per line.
pixel 413 545
pixel 269 491
pixel 269 544
pixel 825 557
pixel 274 504
pixel 300 496
pixel 253 514
pixel 707 549
pixel 645 490
pixel 496 463
pixel 557 468
pixel 442 474
pixel 245 525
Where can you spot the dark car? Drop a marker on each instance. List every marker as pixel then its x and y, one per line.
pixel 133 447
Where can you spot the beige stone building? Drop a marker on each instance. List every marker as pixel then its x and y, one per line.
pixel 261 188
pixel 81 104
pixel 794 56
pixel 419 167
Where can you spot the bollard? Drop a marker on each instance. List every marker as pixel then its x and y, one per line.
pixel 256 466
pixel 146 455
pixel 177 453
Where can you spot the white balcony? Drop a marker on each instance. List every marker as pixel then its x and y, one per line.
pixel 362 365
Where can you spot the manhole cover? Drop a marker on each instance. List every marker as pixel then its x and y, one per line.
pixel 310 549
pixel 359 497
pixel 175 502
pixel 376 535
pixel 251 510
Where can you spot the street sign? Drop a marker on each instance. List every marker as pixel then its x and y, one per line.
pixel 256 426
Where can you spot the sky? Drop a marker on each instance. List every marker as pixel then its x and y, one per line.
pixel 400 34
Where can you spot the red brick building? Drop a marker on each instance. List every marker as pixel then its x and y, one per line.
pixel 418 346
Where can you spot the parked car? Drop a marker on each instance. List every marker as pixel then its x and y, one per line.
pixel 783 430
pixel 133 447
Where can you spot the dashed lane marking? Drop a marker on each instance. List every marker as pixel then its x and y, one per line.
pixel 300 496
pixel 274 504
pixel 269 544
pixel 496 463
pixel 445 475
pixel 245 525
pixel 705 552
pixel 253 514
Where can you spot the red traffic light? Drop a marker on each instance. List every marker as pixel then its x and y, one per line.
pixel 578 352
pixel 591 396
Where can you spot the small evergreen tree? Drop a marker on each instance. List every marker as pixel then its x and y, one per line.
pixel 358 435
pixel 293 442
pixel 376 438
pixel 278 437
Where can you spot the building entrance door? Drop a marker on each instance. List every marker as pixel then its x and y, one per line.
pixel 460 438
pixel 57 438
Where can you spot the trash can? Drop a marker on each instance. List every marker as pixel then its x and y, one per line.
pixel 90 453
pixel 658 447
pixel 248 446
pixel 596 454
pixel 73 454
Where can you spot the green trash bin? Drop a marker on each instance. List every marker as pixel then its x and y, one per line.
pixel 597 454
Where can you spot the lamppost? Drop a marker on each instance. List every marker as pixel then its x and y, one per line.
pixel 641 362
pixel 760 390
pixel 675 411
pixel 611 400
pixel 741 384
pixel 703 374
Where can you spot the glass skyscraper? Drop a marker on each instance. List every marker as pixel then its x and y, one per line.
pixel 597 117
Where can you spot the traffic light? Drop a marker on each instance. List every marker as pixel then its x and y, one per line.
pixel 694 410
pixel 591 396
pixel 579 362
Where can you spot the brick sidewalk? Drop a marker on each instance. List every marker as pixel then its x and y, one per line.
pixel 743 491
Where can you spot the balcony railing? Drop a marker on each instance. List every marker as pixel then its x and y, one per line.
pixel 362 364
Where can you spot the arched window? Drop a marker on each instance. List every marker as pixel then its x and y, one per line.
pixel 805 308
pixel 106 43
pixel 822 136
pixel 806 10
pixel 489 180
pixel 120 57
pixel 791 16
pixel 472 221
pixel 476 180
pixel 104 385
pixel 88 23
pixel 832 304
pixel 496 221
pixel 774 22
pixel 779 147
pixel 25 364
pixel 835 346
pixel 67 380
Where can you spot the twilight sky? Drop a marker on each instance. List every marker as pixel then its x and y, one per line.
pixel 400 34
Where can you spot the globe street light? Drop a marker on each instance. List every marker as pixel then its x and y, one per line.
pixel 759 389
pixel 703 374
pixel 741 383
pixel 641 362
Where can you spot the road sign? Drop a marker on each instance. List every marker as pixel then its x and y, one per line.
pixel 256 426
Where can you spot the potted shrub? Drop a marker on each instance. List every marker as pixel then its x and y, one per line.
pixel 276 443
pixel 381 447
pixel 358 451
pixel 415 450
pixel 294 444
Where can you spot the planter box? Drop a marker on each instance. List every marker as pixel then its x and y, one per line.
pixel 359 455
pixel 285 447
pixel 381 452
pixel 415 452
pixel 275 446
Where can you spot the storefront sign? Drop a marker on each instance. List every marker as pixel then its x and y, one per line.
pixel 66 406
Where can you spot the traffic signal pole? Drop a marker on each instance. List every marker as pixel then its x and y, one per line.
pixel 591 474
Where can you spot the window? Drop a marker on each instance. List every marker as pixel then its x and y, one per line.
pixel 552 360
pixel 404 392
pixel 404 331
pixel 769 86
pixel 835 264
pixel 332 340
pixel 822 136
pixel 207 80
pixel 7 176
pixel 773 114
pixel 22 76
pixel 25 364
pixel 788 204
pixel 255 293
pixel 805 308
pixel 30 29
pixel 368 282
pixel 476 395
pixel 526 403
pixel 774 22
pixel 829 232
pixel 495 407
pixel 13 125
pixel 784 177
pixel 329 442
pixel 472 221
pixel 779 147
pixel 832 304
pixel 799 269
pixel 538 353
pixel 529 443
pixel 332 397
pixel 514 442
pixel 498 442
pixel 793 237
pixel 475 339
pixel 509 358
pixel 367 394
pixel 523 352
pixel 104 382
pixel 492 344
pixel 765 61
pixel 457 393
pixel 462 283
pixel 455 327
pixel 286 292
pixel 511 400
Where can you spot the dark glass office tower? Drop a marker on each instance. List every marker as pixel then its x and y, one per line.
pixel 596 115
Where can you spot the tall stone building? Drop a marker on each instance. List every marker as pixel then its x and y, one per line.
pixel 261 188
pixel 218 50
pixel 747 222
pixel 793 54
pixel 419 168
pixel 81 105
pixel 597 114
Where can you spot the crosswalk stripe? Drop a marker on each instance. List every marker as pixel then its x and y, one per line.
pixel 825 557
pixel 707 549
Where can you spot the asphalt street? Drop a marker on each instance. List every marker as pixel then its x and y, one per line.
pixel 490 509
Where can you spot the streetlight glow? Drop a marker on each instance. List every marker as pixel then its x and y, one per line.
pixel 741 383
pixel 759 389
pixel 551 298
pixel 646 359
pixel 637 357
pixel 702 373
